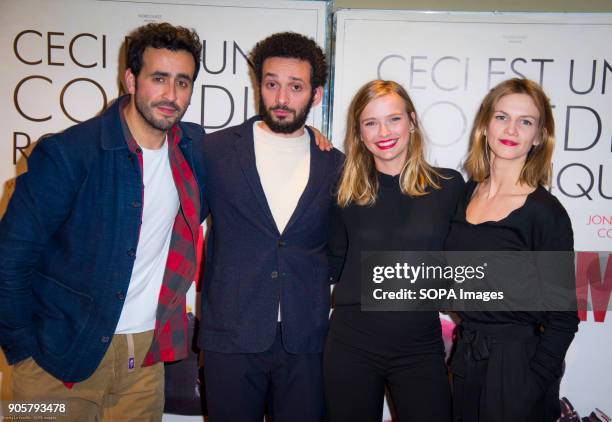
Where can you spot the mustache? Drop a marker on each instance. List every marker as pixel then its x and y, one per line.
pixel 283 108
pixel 169 104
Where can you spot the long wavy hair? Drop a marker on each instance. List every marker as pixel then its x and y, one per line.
pixel 537 169
pixel 358 182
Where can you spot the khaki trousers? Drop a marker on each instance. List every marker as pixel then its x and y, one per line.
pixel 111 393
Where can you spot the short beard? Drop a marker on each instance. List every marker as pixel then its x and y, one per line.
pixel 146 111
pixel 285 127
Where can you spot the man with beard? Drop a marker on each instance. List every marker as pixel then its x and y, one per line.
pixel 265 295
pixel 98 245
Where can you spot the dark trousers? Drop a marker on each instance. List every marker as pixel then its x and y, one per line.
pixel 492 378
pixel 242 387
pixel 355 381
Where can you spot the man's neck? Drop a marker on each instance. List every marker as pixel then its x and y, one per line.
pixel 295 134
pixel 144 134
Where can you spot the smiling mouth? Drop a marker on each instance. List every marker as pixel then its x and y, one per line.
pixel 508 142
pixel 166 108
pixel 168 111
pixel 386 143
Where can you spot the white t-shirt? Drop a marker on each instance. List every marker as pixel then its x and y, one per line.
pixel 161 204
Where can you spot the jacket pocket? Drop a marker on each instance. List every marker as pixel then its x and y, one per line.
pixel 222 299
pixel 60 315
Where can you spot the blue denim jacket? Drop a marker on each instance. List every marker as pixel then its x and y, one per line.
pixel 68 243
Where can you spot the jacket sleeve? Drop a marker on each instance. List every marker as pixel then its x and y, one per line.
pixel 337 244
pixel 198 135
pixel 337 235
pixel 557 275
pixel 41 202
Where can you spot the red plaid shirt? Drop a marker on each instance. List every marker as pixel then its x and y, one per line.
pixel 170 340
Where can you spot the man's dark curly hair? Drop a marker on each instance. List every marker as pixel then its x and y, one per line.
pixel 294 46
pixel 162 35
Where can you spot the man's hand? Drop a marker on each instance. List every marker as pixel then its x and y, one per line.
pixel 322 142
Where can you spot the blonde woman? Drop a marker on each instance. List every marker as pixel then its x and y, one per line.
pixel 507 364
pixel 388 199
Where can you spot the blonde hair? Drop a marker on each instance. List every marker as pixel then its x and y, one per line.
pixel 358 182
pixel 537 169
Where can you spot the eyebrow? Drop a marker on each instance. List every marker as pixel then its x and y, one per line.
pixel 274 75
pixel 524 115
pixel 167 74
pixel 388 115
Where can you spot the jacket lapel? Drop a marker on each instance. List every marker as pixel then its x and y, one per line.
pixel 245 149
pixel 316 180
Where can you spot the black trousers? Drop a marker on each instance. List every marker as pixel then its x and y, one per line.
pixel 492 378
pixel 356 377
pixel 242 387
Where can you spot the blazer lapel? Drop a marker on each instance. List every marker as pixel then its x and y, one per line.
pixel 316 180
pixel 245 149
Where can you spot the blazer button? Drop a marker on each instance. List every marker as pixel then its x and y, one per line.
pixel 131 253
pixel 274 274
pixel 120 295
pixel 104 339
pixel 281 243
pixel 136 204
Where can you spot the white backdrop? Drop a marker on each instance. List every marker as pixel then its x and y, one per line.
pixel 60 59
pixel 448 61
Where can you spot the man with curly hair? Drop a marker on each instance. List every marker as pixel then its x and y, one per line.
pixel 265 295
pixel 98 245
